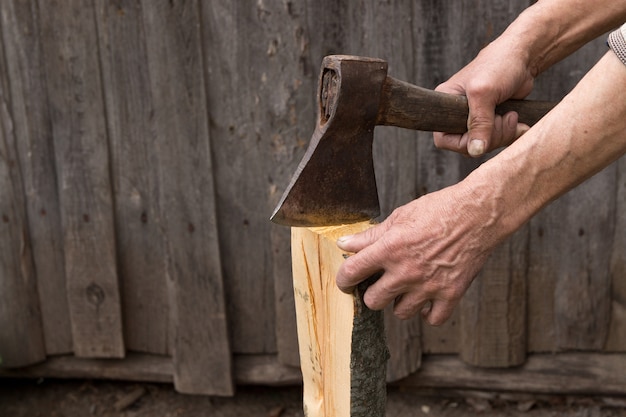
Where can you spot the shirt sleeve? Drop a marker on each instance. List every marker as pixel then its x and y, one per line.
pixel 617 43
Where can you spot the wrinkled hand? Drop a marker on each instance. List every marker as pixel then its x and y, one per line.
pixel 498 73
pixel 429 250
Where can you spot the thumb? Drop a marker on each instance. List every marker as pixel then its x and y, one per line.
pixel 359 241
pixel 480 127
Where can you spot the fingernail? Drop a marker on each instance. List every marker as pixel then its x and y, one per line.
pixel 476 147
pixel 344 239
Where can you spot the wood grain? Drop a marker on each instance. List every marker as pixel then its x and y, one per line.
pixel 493 311
pixel 249 102
pixel 79 133
pixel 616 339
pixel 139 224
pixel 35 153
pixel 570 248
pixel 180 135
pixel 342 343
pixel 21 333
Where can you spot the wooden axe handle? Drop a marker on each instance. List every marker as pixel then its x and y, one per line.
pixel 412 107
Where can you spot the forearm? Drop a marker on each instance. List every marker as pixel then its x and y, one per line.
pixel 550 30
pixel 578 138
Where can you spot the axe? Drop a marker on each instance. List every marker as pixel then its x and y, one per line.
pixel 335 182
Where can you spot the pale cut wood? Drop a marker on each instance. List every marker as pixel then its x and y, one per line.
pixel 201 347
pixel 78 124
pixel 135 169
pixel 342 344
pixel 21 333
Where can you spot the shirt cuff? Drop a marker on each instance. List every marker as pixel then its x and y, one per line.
pixel 617 43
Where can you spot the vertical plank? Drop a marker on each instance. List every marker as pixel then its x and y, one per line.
pixel 21 332
pixel 202 357
pixel 140 233
pixel 74 89
pixel 616 339
pixel 569 275
pixel 31 121
pixel 493 318
pixel 286 91
pixel 582 292
pixel 252 93
pixel 433 25
pixel 438 24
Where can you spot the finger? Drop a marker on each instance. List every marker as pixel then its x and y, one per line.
pixel 408 305
pixel 507 130
pixel 382 293
pixel 451 141
pixel 358 241
pixel 438 313
pixel 480 126
pixel 520 129
pixel 357 268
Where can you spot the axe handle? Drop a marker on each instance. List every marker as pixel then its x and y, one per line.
pixel 412 107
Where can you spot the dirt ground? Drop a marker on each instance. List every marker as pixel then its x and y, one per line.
pixel 62 398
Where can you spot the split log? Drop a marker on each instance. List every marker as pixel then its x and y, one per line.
pixel 343 352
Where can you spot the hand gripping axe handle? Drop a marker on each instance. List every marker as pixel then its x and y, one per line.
pixel 335 181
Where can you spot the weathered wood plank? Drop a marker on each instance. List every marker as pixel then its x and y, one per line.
pixel 435 23
pixel 290 82
pixel 616 339
pixel 569 275
pixel 21 333
pixel 562 374
pixel 82 161
pixel 31 121
pixel 141 250
pixel 493 312
pixel 342 343
pixel 253 91
pixel 565 373
pixel 202 357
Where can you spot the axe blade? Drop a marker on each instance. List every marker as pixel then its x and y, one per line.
pixel 335 182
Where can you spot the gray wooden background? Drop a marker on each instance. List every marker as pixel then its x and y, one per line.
pixel 144 144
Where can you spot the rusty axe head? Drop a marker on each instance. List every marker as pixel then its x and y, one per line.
pixel 335 181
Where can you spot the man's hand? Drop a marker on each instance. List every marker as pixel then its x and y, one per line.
pixel 430 250
pixel 498 73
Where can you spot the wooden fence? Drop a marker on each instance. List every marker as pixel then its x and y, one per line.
pixel 144 144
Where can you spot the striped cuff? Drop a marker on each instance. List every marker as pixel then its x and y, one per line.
pixel 617 42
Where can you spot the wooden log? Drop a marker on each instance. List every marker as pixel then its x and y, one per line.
pixel 342 344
